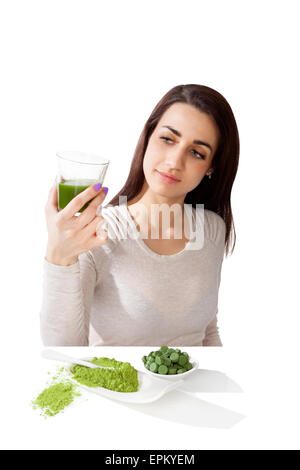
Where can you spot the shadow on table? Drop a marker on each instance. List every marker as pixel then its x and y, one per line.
pixel 209 381
pixel 180 406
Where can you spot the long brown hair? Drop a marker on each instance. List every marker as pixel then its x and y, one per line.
pixel 214 193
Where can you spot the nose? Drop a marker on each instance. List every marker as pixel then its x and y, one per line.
pixel 175 158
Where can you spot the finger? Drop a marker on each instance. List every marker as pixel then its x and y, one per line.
pixel 91 211
pixel 79 201
pixel 96 227
pixel 102 230
pixel 95 240
pixel 51 204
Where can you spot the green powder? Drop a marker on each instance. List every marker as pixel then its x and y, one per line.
pixel 61 391
pixel 124 378
pixel 55 398
pixel 59 394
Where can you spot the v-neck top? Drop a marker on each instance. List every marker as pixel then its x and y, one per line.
pixel 133 230
pixel 123 293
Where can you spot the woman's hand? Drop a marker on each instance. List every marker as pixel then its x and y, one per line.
pixel 70 235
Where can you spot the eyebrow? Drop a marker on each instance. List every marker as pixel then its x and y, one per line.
pixel 197 142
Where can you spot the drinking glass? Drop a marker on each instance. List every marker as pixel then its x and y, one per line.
pixel 76 171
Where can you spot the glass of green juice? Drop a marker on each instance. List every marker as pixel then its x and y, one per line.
pixel 76 172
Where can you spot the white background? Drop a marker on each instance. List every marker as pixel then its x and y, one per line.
pixel 85 75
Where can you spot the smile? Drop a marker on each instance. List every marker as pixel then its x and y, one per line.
pixel 167 178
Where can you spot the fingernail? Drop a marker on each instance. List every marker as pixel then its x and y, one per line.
pixel 97 186
pixel 105 190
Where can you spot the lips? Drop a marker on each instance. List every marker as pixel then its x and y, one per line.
pixel 168 177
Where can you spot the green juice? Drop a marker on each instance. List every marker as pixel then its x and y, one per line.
pixel 68 189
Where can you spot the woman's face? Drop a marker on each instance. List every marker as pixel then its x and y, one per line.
pixel 177 154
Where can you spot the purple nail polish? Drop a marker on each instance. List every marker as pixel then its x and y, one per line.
pixel 97 186
pixel 105 190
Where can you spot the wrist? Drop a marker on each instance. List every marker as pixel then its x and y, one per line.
pixel 54 258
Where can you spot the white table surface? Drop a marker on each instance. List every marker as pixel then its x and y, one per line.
pixel 224 406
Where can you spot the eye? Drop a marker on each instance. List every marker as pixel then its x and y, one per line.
pixel 199 154
pixel 167 138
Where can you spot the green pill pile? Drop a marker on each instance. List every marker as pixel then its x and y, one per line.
pixel 167 361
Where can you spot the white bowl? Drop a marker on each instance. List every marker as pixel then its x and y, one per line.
pixel 175 377
pixel 149 389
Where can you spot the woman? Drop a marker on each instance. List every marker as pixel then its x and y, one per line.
pixel 104 288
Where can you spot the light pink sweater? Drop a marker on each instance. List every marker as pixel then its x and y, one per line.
pixel 123 293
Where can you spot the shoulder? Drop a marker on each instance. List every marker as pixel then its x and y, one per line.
pixel 213 224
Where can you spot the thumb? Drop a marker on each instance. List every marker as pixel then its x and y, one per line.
pixel 53 198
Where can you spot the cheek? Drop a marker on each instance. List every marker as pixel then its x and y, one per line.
pixel 147 167
pixel 195 175
pixel 151 159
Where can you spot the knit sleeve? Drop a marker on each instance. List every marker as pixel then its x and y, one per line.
pixel 215 228
pixel 212 337
pixel 66 302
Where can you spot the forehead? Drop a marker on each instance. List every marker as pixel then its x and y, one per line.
pixel 191 123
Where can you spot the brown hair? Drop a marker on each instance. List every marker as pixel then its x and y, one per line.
pixel 214 193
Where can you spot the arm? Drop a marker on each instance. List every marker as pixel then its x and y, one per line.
pixel 215 229
pixel 212 337
pixel 66 302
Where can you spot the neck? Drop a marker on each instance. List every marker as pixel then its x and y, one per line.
pixel 147 204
